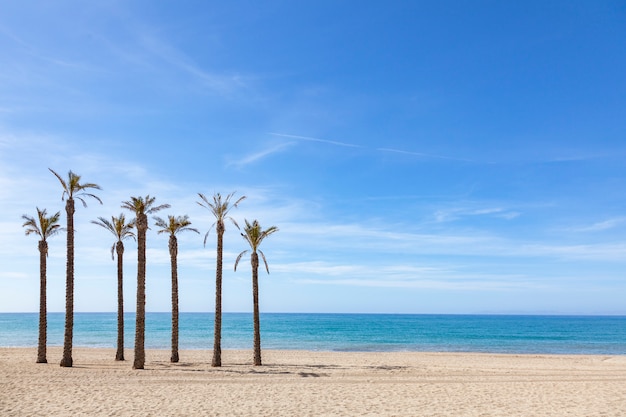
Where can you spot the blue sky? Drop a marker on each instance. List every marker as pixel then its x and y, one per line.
pixel 417 157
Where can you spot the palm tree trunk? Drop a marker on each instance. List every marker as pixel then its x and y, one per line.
pixel 217 341
pixel 119 355
pixel 67 361
pixel 255 301
pixel 140 325
pixel 43 322
pixel 173 244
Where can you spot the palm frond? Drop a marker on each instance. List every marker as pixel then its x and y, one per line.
pixel 118 228
pixel 209 231
pixel 267 268
pixel 139 205
pixel 239 258
pixel 159 222
pixel 123 230
pixel 219 207
pixel 157 208
pixel 31 225
pixel 174 224
pixel 80 197
pixel 207 205
pixel 63 184
pixel 247 239
pixel 43 226
pixel 254 235
pixel 74 189
pixel 239 201
pixel 89 185
pixel 234 222
pixel 104 223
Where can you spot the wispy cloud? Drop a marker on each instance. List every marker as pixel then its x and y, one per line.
pixel 601 226
pixel 423 155
pixel 177 59
pixel 44 55
pixel 330 142
pixel 143 48
pixel 352 145
pixel 448 215
pixel 249 159
pixel 5 32
pixel 597 252
pixel 436 284
pixel 406 276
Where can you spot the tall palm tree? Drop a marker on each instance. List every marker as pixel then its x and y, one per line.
pixel 254 235
pixel 141 207
pixel 44 227
pixel 220 208
pixel 173 226
pixel 72 188
pixel 121 230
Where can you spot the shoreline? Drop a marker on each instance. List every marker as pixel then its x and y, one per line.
pixel 129 351
pixel 300 382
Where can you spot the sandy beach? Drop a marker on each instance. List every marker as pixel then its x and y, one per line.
pixel 303 383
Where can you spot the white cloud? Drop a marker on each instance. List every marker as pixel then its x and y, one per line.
pixel 249 159
pixel 614 252
pixel 601 226
pixel 12 276
pixel 310 139
pixel 166 52
pixel 423 155
pixel 407 276
pixel 457 213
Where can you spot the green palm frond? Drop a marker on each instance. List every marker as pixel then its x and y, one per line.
pixel 63 183
pixel 118 227
pixel 239 258
pixel 219 207
pixel 72 188
pixel 254 235
pixel 174 225
pixel 141 205
pixel 267 268
pixel 43 226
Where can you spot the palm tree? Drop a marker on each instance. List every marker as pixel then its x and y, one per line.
pixel 121 230
pixel 220 208
pixel 72 188
pixel 173 226
pixel 44 227
pixel 254 235
pixel 141 207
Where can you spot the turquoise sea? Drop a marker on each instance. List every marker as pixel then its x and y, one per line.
pixel 341 332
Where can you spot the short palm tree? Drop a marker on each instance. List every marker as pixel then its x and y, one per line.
pixel 173 226
pixel 141 207
pixel 72 188
pixel 254 235
pixel 121 230
pixel 44 227
pixel 220 208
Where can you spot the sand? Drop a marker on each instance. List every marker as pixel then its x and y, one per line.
pixel 303 383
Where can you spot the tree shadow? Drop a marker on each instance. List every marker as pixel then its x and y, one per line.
pixel 311 374
pixel 302 370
